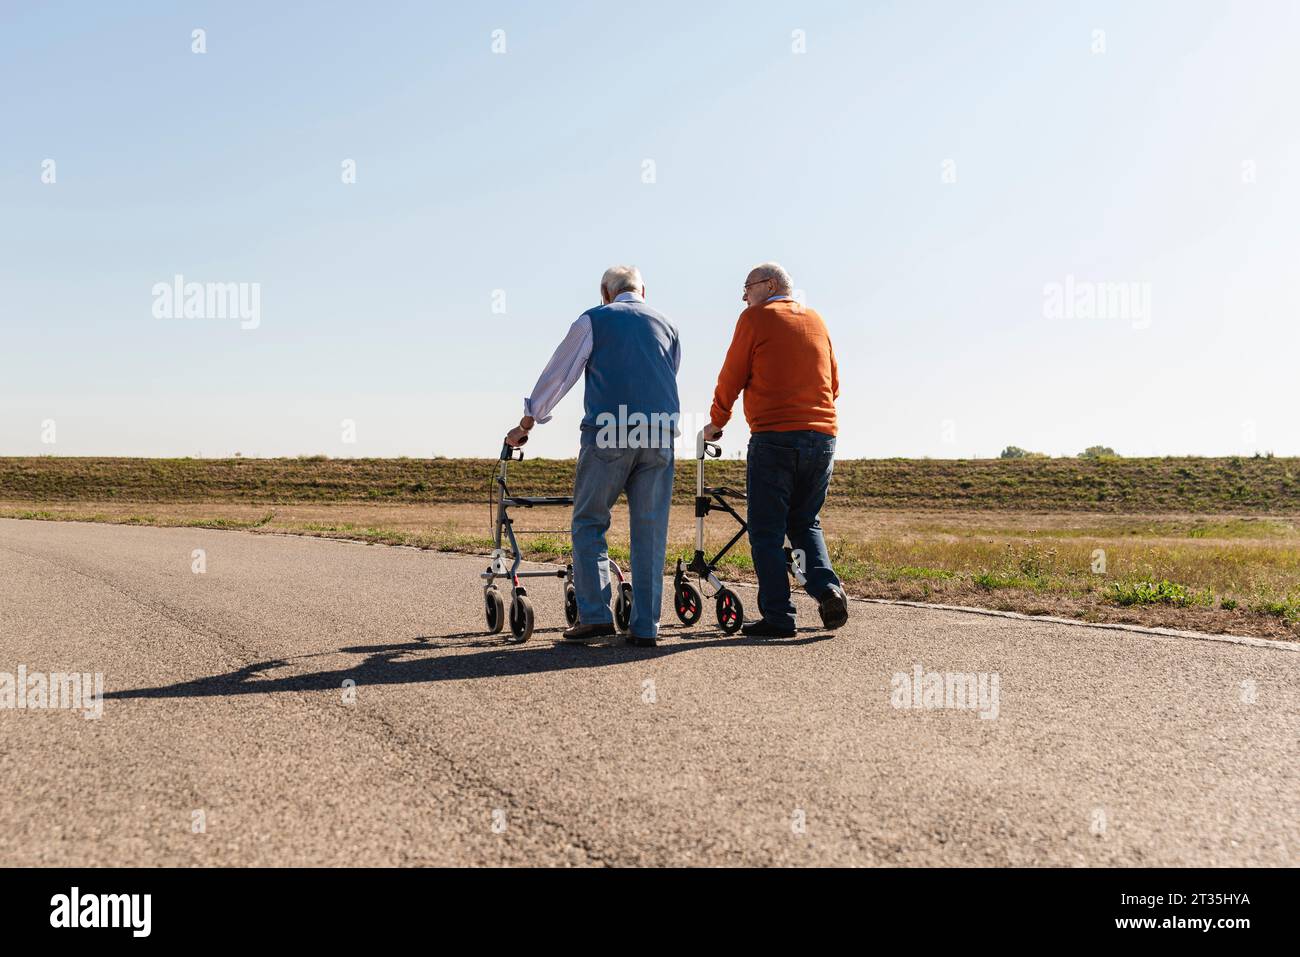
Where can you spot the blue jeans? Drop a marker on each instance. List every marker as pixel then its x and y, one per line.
pixel 787 474
pixel 647 476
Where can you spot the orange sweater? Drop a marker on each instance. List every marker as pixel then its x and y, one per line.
pixel 781 357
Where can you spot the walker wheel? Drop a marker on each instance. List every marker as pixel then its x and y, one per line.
pixel 731 615
pixel 570 605
pixel 521 619
pixel 623 607
pixel 495 607
pixel 688 603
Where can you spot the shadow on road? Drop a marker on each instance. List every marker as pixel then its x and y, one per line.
pixel 409 663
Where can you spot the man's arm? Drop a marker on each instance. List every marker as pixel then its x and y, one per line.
pixel 835 373
pixel 734 376
pixel 566 365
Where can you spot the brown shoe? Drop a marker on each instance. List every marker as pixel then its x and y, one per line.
pixel 582 634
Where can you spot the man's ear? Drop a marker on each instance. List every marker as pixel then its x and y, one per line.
pixel 642 290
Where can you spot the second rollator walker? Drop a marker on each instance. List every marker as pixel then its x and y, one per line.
pixel 688 602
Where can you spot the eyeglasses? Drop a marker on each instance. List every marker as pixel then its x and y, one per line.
pixel 756 282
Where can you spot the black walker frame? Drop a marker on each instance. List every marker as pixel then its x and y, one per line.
pixel 687 599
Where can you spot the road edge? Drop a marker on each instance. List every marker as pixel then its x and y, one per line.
pixel 1248 640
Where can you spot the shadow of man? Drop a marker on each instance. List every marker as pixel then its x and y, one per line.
pixel 409 663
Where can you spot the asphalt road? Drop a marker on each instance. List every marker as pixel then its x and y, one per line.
pixel 226 735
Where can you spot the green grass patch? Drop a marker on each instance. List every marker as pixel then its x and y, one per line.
pixel 1163 592
pixel 925 574
pixel 1287 609
pixel 992 580
pixel 545 545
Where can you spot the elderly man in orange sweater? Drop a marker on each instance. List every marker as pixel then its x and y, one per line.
pixel 781 358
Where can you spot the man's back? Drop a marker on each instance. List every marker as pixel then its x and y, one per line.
pixel 781 357
pixel 633 365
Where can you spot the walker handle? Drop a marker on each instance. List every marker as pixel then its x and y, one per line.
pixel 704 447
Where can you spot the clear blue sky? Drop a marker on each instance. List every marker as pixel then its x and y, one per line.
pixel 523 172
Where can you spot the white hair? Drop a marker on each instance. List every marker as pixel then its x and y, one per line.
pixel 781 280
pixel 621 279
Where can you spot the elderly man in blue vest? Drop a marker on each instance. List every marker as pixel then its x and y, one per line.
pixel 629 354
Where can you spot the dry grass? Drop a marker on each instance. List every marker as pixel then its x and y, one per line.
pixel 1221 573
pixel 1210 544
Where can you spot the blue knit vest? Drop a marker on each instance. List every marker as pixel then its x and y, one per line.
pixel 630 376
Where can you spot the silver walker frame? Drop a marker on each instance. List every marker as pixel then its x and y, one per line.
pixel 505 564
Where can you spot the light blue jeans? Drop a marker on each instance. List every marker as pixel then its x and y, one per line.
pixel 646 475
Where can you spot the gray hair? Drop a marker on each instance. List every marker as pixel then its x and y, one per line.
pixel 775 272
pixel 621 279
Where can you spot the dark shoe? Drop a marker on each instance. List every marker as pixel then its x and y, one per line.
pixel 640 642
pixel 834 608
pixel 581 634
pixel 765 629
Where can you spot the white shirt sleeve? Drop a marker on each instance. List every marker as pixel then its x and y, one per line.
pixel 566 365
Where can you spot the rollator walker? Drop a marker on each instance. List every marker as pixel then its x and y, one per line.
pixel 687 599
pixel 505 563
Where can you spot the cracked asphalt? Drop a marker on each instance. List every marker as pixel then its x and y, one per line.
pixel 313 702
